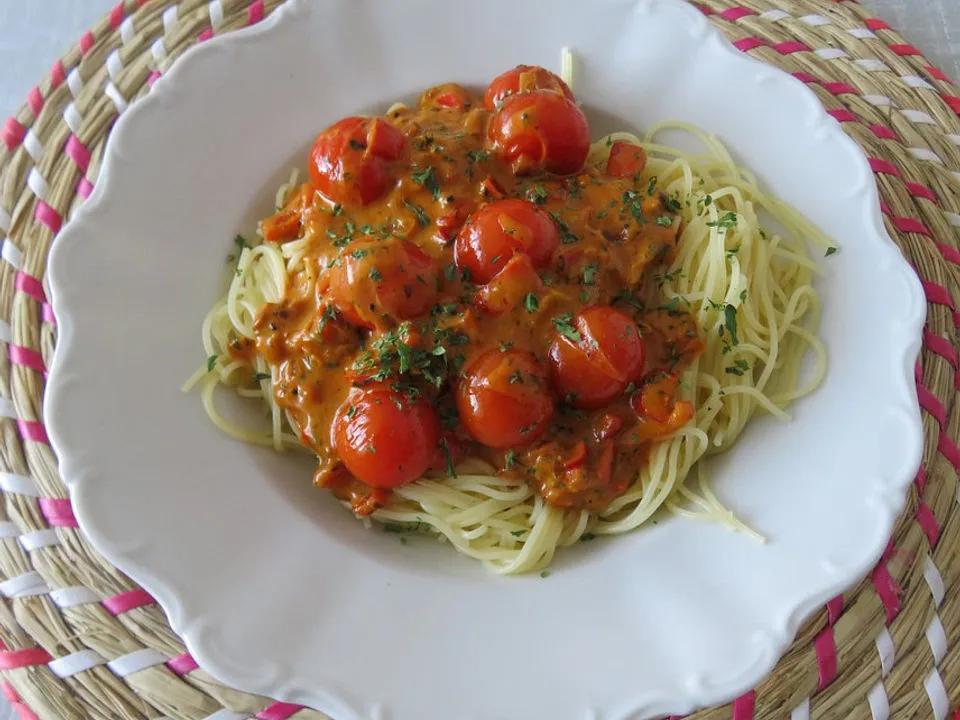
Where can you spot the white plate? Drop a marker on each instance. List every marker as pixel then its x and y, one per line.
pixel 274 587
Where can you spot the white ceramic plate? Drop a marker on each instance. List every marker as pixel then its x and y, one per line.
pixel 275 588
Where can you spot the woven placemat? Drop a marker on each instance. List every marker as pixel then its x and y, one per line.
pixel 79 640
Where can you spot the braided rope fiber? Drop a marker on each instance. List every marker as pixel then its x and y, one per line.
pixel 79 640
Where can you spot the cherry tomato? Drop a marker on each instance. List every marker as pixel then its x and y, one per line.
pixel 656 404
pixel 385 439
pixel 626 160
pixel 504 399
pixel 351 161
pixel 498 231
pixel 448 96
pixel 540 131
pixel 286 223
pixel 377 284
pixel 523 78
pixel 510 286
pixel 605 358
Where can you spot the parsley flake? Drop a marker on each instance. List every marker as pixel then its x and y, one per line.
pixel 563 324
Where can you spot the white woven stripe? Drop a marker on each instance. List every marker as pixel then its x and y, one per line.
pixel 216 13
pixel 64 667
pixel 7 410
pixel 75 82
pixel 915 81
pixel 33 146
pixel 158 50
pixel 127 30
pixel 26 585
pixel 879 703
pixel 774 15
pixel 925 154
pixel 878 100
pixel 815 20
pixel 956 175
pixel 5 334
pixel 39 539
pixel 114 65
pixel 801 711
pixel 169 19
pixel 830 53
pixel 73 596
pixel 136 661
pixel 72 118
pixel 930 572
pixel 886 651
pixel 871 65
pixel 12 254
pixel 4 221
pixel 918 116
pixel 937 693
pixel 937 637
pixel 118 99
pixel 862 33
pixel 18 484
pixel 226 715
pixel 955 139
pixel 37 184
pixel 8 530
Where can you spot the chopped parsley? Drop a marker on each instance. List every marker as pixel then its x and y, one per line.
pixel 531 303
pixel 478 156
pixel 448 456
pixel 726 221
pixel 516 378
pixel 738 368
pixel 241 242
pixel 510 462
pixel 212 363
pixel 672 204
pixel 664 220
pixel 419 212
pixel 730 320
pixel 830 251
pixel 544 573
pixel 359 254
pixel 566 235
pixel 376 275
pixel 563 324
pixel 652 185
pixel 257 377
pixel 537 194
pixel 450 272
pixel 589 275
pixel 351 411
pixel 337 209
pixel 428 179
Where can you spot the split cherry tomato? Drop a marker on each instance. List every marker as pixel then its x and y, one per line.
pixel 523 78
pixel 498 231
pixel 626 160
pixel 606 356
pixel 509 286
pixel 540 131
pixel 384 438
pixel 504 400
pixel 352 161
pixel 656 404
pixel 448 96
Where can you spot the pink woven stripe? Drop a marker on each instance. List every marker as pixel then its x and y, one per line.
pixel 17 703
pixel 29 285
pixel 843 115
pixel 704 9
pixel 749 43
pixel 887 590
pixel 28 657
pixel 928 523
pixel 911 225
pixel 182 664
pixel 46 312
pixel 936 73
pixel 883 166
pixel 12 133
pixel 948 448
pixel 942 347
pixel 116 16
pixel 834 609
pixel 876 24
pixel 84 188
pixel 279 711
pixel 25 357
pixel 742 708
pixel 921 480
pixel 58 512
pixel 77 152
pixel 153 77
pixel 33 431
pixel 937 294
pixel 826 650
pixel 57 75
pixel 930 403
pixel 950 254
pixel 86 42
pixel 205 35
pixel 48 216
pixel 904 49
pixel 35 101
pixel 790 46
pixel 921 191
pixel 127 601
pixel 840 88
pixel 805 77
pixel 735 13
pixel 255 12
pixel 953 101
pixel 884 133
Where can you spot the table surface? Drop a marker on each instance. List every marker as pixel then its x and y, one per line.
pixel 33 34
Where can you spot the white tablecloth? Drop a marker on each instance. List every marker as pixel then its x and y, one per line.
pixel 33 33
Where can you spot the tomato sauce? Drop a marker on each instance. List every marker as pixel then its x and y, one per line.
pixel 460 298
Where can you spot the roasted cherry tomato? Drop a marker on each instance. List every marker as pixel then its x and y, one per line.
pixel 385 439
pixel 377 284
pixel 626 160
pixel 597 357
pixel 448 96
pixel 352 161
pixel 656 404
pixel 523 78
pixel 540 131
pixel 504 400
pixel 510 286
pixel 498 231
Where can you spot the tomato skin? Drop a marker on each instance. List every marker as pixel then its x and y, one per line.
pixel 378 284
pixel 448 96
pixel 540 131
pixel 351 161
pixel 500 230
pixel 383 438
pixel 596 369
pixel 509 286
pixel 523 78
pixel 626 160
pixel 504 399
